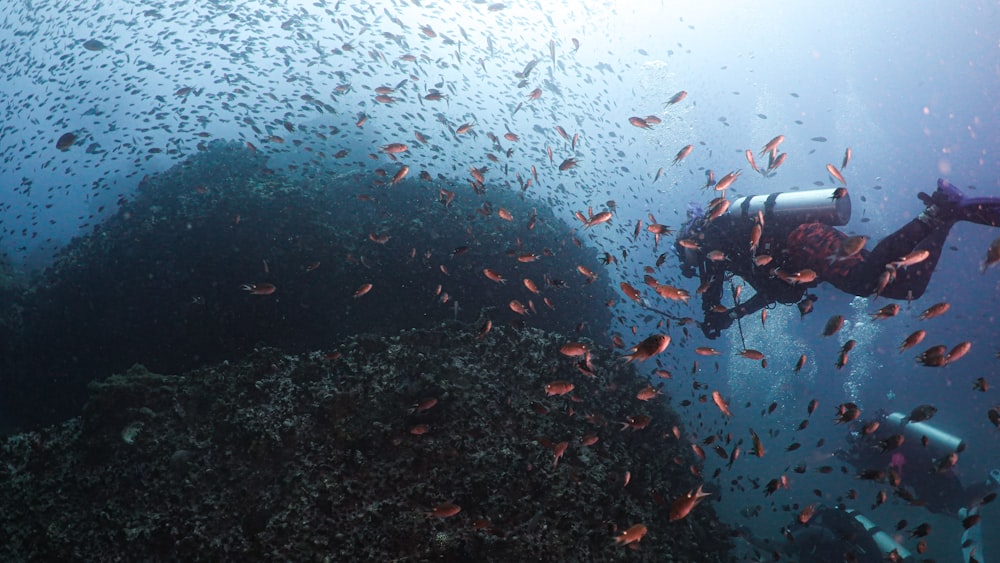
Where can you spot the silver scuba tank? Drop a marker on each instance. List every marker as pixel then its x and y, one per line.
pixel 791 209
pixel 939 442
pixel 883 540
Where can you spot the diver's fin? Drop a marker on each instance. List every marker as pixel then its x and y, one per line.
pixel 947 204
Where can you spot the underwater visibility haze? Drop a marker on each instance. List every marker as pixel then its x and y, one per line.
pixel 561 281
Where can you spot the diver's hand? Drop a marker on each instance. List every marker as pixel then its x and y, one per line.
pixel 715 323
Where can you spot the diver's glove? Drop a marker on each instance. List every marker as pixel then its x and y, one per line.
pixel 716 322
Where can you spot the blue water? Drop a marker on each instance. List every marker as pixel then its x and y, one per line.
pixel 911 90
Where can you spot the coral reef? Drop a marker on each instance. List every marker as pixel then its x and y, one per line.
pixel 344 455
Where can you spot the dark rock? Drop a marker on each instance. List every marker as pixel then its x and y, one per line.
pixel 304 458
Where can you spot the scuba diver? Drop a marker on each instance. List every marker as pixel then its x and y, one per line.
pixel 918 460
pixel 784 243
pixel 833 535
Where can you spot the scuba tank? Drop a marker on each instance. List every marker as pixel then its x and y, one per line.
pixel 939 443
pixel 883 540
pixel 791 209
pixel 973 540
pixel 782 211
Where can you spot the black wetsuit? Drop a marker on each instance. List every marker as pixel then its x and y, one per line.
pixel 811 246
pixel 731 235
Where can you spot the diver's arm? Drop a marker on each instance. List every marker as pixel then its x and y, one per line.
pixel 717 321
pixel 751 306
pixel 712 277
pixel 716 317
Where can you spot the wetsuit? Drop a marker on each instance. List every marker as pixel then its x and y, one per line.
pixel 812 246
pixel 731 235
pixel 815 246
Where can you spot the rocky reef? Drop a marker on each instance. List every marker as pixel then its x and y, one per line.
pixel 434 443
pixel 222 254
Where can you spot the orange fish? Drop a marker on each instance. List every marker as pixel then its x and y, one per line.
pixel 833 325
pixel 992 256
pixel 935 310
pixel 567 164
pixel 444 510
pixel 558 451
pixel 494 276
pixel 530 285
pixel 423 405
pixel 518 307
pixel 639 122
pixel 727 181
pixel 915 257
pixel 676 98
pixel 558 388
pixel 648 348
pixel 890 310
pixel 671 292
pixel 721 403
pixel 958 351
pixel 682 154
pixel 755 233
pixel 630 292
pixel 394 148
pixel 758 446
pixel 363 289
pixel 794 278
pixel 259 288
pixel 573 349
pixel 477 174
pixel 682 506
pixel 399 175
pixel 602 217
pixel 485 330
pixel 836 174
pixel 633 534
pixel 772 145
pixel 774 164
pixel 912 340
pixel 706 351
pixel 807 514
pixel 637 422
pixel 646 393
pixel 749 155
pixel 800 363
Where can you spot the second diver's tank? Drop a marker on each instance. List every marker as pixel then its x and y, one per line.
pixel 884 541
pixel 939 442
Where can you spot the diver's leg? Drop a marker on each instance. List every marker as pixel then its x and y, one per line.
pixel 911 282
pixel 904 241
pixel 926 232
pixel 863 272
